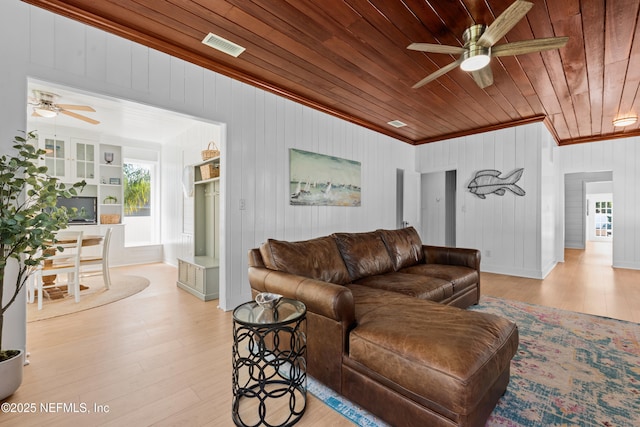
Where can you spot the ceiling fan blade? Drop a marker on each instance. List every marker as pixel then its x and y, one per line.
pixel 529 46
pixel 483 77
pixel 437 74
pixel 436 48
pixel 80 117
pixel 76 107
pixel 504 23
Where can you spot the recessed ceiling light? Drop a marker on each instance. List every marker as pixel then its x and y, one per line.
pixel 625 121
pixel 396 123
pixel 223 45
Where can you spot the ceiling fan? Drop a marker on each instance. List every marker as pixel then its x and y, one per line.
pixel 479 41
pixel 44 105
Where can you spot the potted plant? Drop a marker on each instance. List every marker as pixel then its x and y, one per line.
pixel 29 220
pixel 110 200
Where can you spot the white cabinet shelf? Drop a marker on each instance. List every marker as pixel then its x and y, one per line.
pixel 110 172
pixel 200 274
pixel 200 177
pixel 204 181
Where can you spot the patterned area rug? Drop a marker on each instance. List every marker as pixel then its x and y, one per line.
pixel 571 369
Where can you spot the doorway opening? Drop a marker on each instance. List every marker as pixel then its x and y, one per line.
pixel 124 133
pixel 589 212
pixel 438 208
pixel 600 211
pixel 400 223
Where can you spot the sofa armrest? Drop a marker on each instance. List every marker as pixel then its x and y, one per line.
pixel 255 258
pixel 452 256
pixel 326 299
pixel 330 317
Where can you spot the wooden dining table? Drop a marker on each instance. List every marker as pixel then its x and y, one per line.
pixel 58 292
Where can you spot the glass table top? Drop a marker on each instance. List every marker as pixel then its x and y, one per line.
pixel 286 311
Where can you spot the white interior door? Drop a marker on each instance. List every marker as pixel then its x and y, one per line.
pixel 411 199
pixel 432 208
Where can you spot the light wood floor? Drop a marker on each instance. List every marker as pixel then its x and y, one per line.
pixel 585 283
pixel 162 357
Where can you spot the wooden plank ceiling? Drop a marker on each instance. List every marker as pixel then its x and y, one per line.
pixel 349 58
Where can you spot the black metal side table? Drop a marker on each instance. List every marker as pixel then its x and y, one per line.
pixel 269 364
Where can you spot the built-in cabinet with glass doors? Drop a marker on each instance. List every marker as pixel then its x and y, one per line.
pixel 71 159
pixel 99 165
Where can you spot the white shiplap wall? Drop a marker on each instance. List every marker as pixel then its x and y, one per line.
pixel 550 205
pixel 506 228
pixel 273 126
pixel 622 156
pixel 260 128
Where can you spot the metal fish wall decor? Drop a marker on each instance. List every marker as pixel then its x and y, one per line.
pixel 488 181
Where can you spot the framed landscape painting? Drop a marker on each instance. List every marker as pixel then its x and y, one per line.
pixel 321 180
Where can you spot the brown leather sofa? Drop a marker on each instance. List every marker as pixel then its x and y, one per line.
pixel 386 325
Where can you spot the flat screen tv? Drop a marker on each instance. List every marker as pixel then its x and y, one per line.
pixel 86 209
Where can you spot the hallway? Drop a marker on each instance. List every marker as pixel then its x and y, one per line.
pixel 586 282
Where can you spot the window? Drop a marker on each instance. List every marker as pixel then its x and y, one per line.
pixel 140 202
pixel 603 219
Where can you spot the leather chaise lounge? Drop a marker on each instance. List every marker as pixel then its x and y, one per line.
pixel 387 326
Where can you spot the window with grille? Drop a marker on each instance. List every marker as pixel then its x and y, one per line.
pixel 604 219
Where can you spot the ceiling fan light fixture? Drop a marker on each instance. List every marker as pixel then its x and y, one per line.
pixel 625 121
pixel 44 112
pixel 475 58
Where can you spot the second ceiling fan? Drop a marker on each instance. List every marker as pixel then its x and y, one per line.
pixel 479 41
pixel 44 105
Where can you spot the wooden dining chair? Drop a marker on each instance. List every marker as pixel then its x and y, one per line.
pixel 102 259
pixel 65 261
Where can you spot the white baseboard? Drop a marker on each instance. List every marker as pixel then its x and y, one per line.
pixel 629 265
pixel 519 272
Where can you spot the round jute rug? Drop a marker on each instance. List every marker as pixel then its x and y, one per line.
pixel 122 286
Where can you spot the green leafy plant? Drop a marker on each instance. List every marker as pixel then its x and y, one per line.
pixel 137 188
pixel 29 217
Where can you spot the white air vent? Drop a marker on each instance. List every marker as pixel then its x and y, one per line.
pixel 396 123
pixel 223 45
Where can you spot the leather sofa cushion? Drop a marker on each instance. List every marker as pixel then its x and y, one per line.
pixel 316 258
pixel 414 285
pixel 448 355
pixel 404 246
pixel 364 254
pixel 461 277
